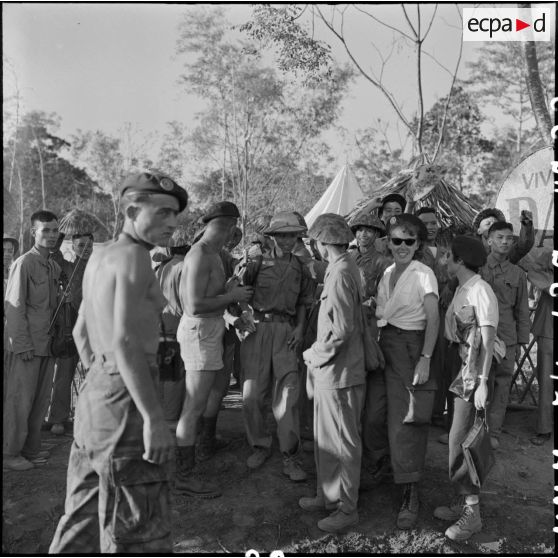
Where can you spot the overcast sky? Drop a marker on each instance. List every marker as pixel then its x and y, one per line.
pixel 101 65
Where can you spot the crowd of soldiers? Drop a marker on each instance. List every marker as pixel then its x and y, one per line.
pixel 356 335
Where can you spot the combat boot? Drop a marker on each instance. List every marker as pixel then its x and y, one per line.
pixel 292 468
pixel 408 514
pixel 188 482
pixel 452 512
pixel 338 521
pixel 208 443
pixel 467 525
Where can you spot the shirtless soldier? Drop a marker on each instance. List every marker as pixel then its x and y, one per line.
pixel 117 497
pixel 204 298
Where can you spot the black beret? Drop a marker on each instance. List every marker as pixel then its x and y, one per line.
pixel 221 209
pixel 408 219
pixel 397 198
pixel 155 183
pixel 470 250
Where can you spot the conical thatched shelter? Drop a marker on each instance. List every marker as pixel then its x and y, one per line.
pixel 426 185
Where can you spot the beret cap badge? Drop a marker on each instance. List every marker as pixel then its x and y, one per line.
pixel 166 184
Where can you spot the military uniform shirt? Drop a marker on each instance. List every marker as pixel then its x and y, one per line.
pixel 509 284
pixel 30 302
pixel 280 285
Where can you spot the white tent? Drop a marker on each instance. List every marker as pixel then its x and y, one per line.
pixel 340 197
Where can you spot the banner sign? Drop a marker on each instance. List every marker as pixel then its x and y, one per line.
pixel 530 186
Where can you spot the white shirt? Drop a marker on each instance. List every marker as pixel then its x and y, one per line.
pixel 404 308
pixel 476 293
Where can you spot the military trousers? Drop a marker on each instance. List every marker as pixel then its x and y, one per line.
pixel 502 384
pixel 338 445
pixel 28 392
pixel 61 396
pixel 115 501
pixel 409 408
pixel 268 365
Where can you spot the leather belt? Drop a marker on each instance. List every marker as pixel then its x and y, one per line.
pixel 272 317
pixel 399 330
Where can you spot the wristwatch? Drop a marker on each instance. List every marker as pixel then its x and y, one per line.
pixel 425 355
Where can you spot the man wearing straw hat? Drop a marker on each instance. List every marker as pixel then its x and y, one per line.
pixel 282 290
pixel 64 370
pixel 29 306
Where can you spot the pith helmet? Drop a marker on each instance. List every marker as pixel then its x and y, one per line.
pixel 284 222
pixel 179 237
pixel 485 213
pixel 364 220
pixel 331 228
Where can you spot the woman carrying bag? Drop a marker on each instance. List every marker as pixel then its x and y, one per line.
pixel 407 312
pixel 470 325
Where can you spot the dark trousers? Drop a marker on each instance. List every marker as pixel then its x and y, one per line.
pixel 409 408
pixel 115 501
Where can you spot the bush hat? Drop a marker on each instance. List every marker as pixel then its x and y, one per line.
pixel 14 242
pixel 284 222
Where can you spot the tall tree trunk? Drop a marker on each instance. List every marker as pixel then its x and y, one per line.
pixel 41 168
pixel 535 88
pixel 20 210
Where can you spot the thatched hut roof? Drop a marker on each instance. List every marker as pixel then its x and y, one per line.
pixel 454 208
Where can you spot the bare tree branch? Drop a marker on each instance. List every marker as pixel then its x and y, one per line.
pixel 431 22
pixel 446 106
pixel 409 21
pixel 365 74
pixel 383 23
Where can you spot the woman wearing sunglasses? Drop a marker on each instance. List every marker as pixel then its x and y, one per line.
pixel 407 309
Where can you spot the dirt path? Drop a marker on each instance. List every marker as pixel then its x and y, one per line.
pixel 259 509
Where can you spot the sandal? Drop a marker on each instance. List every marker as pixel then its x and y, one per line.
pixel 540 439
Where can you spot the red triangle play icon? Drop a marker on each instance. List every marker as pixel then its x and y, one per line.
pixel 519 25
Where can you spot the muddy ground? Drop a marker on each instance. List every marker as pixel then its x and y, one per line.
pixel 258 510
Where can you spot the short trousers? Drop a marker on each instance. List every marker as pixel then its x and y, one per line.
pixel 201 342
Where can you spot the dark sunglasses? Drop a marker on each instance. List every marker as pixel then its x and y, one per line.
pixel 407 241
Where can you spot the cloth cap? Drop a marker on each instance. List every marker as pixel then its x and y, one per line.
pixel 155 183
pixel 397 198
pixel 14 242
pixel 411 220
pixel 364 220
pixel 488 212
pixel 221 209
pixel 470 250
pixel 284 222
pixel 331 228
